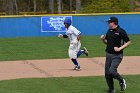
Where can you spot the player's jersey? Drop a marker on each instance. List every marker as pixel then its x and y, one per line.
pixel 72 33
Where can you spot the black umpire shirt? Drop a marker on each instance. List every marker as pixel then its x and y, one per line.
pixel 115 38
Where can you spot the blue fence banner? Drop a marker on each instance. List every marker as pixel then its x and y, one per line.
pixel 53 23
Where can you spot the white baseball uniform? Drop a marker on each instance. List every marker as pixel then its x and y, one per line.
pixel 75 45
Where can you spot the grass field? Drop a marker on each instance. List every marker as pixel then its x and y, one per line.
pixel 53 47
pixel 66 85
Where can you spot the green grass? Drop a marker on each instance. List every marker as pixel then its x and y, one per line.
pixel 53 47
pixel 66 85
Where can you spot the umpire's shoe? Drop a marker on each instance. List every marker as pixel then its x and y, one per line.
pixel 111 91
pixel 85 51
pixel 123 85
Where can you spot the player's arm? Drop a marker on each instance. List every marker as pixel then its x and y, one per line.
pixel 65 36
pixel 117 49
pixel 77 33
pixel 62 36
pixel 103 39
pixel 126 44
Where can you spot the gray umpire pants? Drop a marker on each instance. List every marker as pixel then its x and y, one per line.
pixel 111 65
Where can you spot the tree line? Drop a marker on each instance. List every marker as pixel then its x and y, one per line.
pixel 15 7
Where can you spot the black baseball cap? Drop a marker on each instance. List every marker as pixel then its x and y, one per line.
pixel 113 19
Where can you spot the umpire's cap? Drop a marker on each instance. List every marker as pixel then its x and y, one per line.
pixel 113 19
pixel 67 21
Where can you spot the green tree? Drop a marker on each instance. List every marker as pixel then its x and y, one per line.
pixel 12 7
pixel 106 6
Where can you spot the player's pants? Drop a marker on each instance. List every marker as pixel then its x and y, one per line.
pixel 111 65
pixel 73 50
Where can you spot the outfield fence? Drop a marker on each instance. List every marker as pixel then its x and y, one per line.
pixel 51 25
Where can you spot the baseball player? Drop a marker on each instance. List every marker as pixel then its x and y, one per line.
pixel 116 40
pixel 74 48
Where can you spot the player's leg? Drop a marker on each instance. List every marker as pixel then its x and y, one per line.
pixel 77 66
pixel 78 49
pixel 73 55
pixel 85 51
pixel 82 51
pixel 113 70
pixel 108 76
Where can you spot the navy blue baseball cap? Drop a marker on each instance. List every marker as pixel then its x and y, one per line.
pixel 113 19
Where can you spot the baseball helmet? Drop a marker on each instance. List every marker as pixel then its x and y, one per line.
pixel 67 21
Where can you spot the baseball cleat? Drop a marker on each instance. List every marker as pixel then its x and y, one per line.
pixel 123 85
pixel 85 51
pixel 77 68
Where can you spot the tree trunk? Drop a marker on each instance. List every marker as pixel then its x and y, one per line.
pixel 51 6
pixel 16 7
pixel 70 6
pixel 28 6
pixel 78 6
pixel 34 6
pixel 59 6
pixel 132 5
pixel 3 5
pixel 9 7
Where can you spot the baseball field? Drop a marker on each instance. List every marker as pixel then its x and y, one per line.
pixel 41 65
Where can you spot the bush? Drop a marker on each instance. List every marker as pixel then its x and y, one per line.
pixel 106 6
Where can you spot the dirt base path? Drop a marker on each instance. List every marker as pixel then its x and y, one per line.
pixel 63 68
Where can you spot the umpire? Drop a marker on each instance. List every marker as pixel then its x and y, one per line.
pixel 116 40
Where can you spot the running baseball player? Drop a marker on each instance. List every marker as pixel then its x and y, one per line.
pixel 74 49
